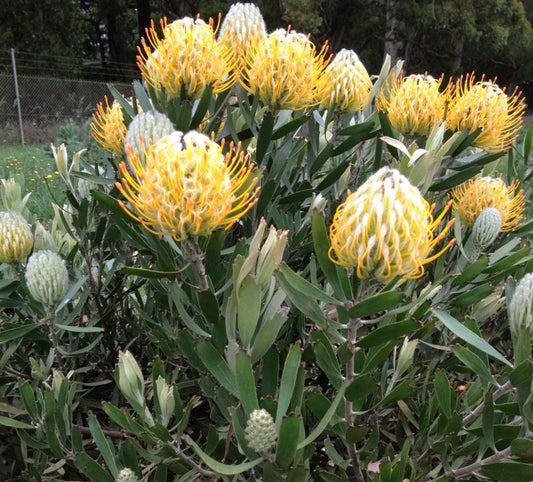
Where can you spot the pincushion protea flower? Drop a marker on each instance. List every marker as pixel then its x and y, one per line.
pixel 187 59
pixel 47 277
pixel 347 85
pixel 413 104
pixel 16 238
pixel 108 127
pixel 284 70
pixel 483 105
pixel 188 187
pixel 386 229
pixel 471 198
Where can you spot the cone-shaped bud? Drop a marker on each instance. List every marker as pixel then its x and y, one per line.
pixel 11 192
pixel 165 395
pixel 486 228
pixel 405 358
pixel 16 238
pixel 126 475
pixel 521 306
pixel 146 129
pixel 47 277
pixel 130 378
pixel 261 432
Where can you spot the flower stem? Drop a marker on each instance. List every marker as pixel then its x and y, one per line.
pixel 196 258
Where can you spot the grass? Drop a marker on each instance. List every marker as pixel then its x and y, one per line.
pixel 34 168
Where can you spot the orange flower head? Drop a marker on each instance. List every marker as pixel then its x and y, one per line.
pixel 483 105
pixel 187 186
pixel 108 128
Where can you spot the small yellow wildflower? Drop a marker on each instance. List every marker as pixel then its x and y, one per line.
pixel 483 105
pixel 188 187
pixel 413 104
pixel 284 69
pixel 187 59
pixel 347 85
pixel 471 198
pixel 386 229
pixel 108 127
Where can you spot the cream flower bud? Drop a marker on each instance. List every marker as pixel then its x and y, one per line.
pixel 405 358
pixel 126 475
pixel 270 255
pixel 11 192
pixel 521 306
pixel 261 432
pixel 16 238
pixel 165 395
pixel 61 158
pixel 47 277
pixel 130 377
pixel 486 228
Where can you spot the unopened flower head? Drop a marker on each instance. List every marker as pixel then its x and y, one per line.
pixel 108 127
pixel 242 26
pixel 485 106
pixel 127 475
pixel 16 238
pixel 130 377
pixel 414 104
pixel 11 193
pixel 284 69
pixel 261 432
pixel 145 129
pixel 486 227
pixel 386 229
pixel 187 59
pixel 471 198
pixel 188 187
pixel 521 306
pixel 47 277
pixel 347 85
pixel 165 396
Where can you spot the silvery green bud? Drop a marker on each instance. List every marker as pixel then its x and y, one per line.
pixel 47 277
pixel 147 128
pixel 405 358
pixel 126 475
pixel 130 377
pixel 16 238
pixel 486 227
pixel 270 255
pixel 261 432
pixel 521 306
pixel 165 395
pixel 11 192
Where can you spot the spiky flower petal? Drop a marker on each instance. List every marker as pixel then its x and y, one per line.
pixel 414 104
pixel 108 127
pixel 471 198
pixel 485 106
pixel 347 85
pixel 283 69
pixel 188 187
pixel 261 432
pixel 186 60
pixel 521 306
pixel 16 238
pixel 47 277
pixel 386 229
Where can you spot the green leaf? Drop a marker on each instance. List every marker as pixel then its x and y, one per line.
pixel 471 271
pixel 487 421
pixel 200 108
pixel 333 175
pixel 475 363
pixel 149 273
pixel 522 373
pixel 104 445
pixel 452 180
pixel 288 381
pixel 523 448
pixel 79 329
pixel 16 332
pixel 216 364
pixel 245 380
pixel 11 422
pixel 289 127
pixel 142 97
pixel 473 295
pixel 267 334
pixel 469 336
pixel 360 387
pixel 528 142
pixel 209 304
pixel 402 391
pixel 386 333
pixel 92 469
pixel 327 361
pixel 304 286
pixel 374 304
pixel 508 471
pixel 219 467
pixel 265 137
pixel 289 434
pixel 28 398
pixel 248 309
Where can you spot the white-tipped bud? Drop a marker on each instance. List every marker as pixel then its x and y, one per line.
pixel 16 238
pixel 405 358
pixel 486 227
pixel 241 22
pixel 165 395
pixel 47 277
pixel 126 475
pixel 130 378
pixel 521 306
pixel 261 432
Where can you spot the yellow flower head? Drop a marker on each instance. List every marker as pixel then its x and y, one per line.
pixel 242 26
pixel 471 198
pixel 386 229
pixel 108 127
pixel 483 105
pixel 187 59
pixel 413 104
pixel 283 69
pixel 187 186
pixel 16 238
pixel 347 85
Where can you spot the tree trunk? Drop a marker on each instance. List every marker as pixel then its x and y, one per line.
pixel 394 44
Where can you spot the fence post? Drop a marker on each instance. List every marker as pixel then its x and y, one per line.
pixel 17 96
